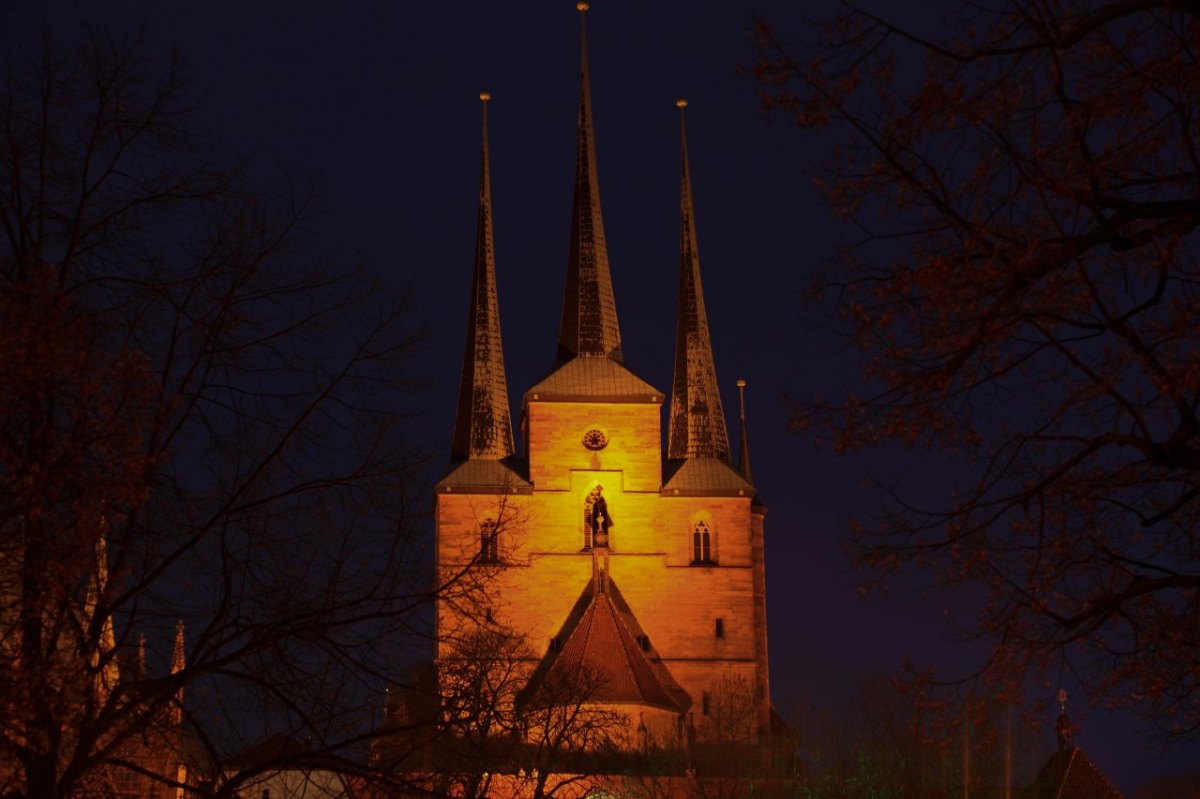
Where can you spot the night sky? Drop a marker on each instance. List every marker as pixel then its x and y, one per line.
pixel 379 102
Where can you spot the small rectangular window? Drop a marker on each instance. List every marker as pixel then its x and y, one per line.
pixel 489 547
pixel 644 642
pixel 720 628
pixel 554 645
pixel 704 704
pixel 266 793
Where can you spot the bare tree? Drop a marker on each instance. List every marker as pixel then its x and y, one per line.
pixel 1024 293
pixel 201 419
pixel 495 733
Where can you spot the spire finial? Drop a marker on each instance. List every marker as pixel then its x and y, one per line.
pixel 589 316
pixel 744 450
pixel 697 421
pixel 482 424
pixel 681 103
pixel 582 6
pixel 1063 726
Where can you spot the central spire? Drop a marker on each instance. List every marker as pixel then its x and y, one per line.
pixel 589 317
pixel 697 422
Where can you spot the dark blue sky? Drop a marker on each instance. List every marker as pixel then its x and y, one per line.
pixel 378 100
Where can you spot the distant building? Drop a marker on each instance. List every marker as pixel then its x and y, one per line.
pixel 1070 773
pixel 636 574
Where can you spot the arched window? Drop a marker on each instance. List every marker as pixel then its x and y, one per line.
pixel 702 550
pixel 489 545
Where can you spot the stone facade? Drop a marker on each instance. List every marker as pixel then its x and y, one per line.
pixel 641 571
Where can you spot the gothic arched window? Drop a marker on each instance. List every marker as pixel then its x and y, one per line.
pixel 702 551
pixel 489 545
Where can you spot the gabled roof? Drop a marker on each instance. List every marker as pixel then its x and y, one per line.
pixel 482 424
pixel 1071 774
pixel 704 477
pixel 586 379
pixel 599 645
pixel 509 475
pixel 697 420
pixel 589 315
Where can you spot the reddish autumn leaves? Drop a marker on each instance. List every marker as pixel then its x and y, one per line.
pixel 1025 297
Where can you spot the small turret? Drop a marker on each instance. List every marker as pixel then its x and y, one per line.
pixel 744 435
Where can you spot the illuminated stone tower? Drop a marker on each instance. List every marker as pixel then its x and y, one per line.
pixel 640 574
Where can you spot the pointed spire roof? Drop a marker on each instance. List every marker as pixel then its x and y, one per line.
pixel 103 658
pixel 744 449
pixel 589 315
pixel 482 425
pixel 178 664
pixel 178 650
pixel 1069 773
pixel 697 421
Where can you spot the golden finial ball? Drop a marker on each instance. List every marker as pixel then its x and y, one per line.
pixel 741 384
pixel 485 96
pixel 681 103
pixel 581 6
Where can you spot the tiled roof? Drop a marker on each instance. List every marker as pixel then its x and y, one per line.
pixel 704 477
pixel 1070 774
pixel 486 475
pixel 482 424
pixel 589 315
pixel 590 378
pixel 601 645
pixel 697 420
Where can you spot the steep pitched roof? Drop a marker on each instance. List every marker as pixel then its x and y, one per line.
pixel 704 477
pixel 589 314
pixel 479 475
pixel 1071 774
pixel 582 379
pixel 599 645
pixel 482 424
pixel 697 421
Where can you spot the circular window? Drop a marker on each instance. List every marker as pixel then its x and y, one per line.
pixel 595 439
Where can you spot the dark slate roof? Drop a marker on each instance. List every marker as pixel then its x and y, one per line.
pixel 601 642
pixel 480 475
pixel 589 315
pixel 1071 774
pixel 704 477
pixel 587 378
pixel 482 424
pixel 697 420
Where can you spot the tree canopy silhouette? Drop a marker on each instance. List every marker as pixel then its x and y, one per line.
pixel 201 418
pixel 1024 291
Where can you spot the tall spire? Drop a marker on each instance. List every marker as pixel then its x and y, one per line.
pixel 744 450
pixel 589 316
pixel 697 423
pixel 178 663
pixel 103 657
pixel 482 426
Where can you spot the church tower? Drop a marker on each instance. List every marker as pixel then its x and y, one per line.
pixel 634 574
